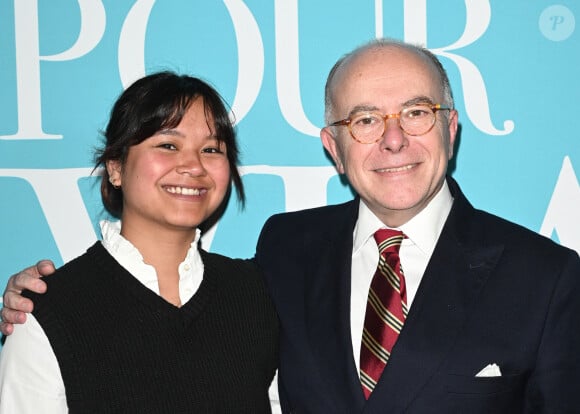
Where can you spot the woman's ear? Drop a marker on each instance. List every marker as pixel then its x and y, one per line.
pixel 114 171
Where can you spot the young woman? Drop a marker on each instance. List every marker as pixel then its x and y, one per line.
pixel 146 321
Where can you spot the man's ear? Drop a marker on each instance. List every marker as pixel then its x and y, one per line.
pixel 329 143
pixel 114 171
pixel 452 125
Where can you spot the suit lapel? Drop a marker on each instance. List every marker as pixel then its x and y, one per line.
pixel 328 308
pixel 458 269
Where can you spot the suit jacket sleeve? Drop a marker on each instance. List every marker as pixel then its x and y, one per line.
pixel 554 385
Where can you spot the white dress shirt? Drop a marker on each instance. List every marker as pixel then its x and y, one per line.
pixel 422 233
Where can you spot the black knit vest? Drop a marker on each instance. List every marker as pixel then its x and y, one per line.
pixel 123 349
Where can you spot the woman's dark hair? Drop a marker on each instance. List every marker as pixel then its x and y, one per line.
pixel 155 102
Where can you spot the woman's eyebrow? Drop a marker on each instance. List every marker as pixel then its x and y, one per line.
pixel 175 133
pixel 170 131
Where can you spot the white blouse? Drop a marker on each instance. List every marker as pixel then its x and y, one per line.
pixel 30 379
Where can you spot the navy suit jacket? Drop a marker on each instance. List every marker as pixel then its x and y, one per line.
pixel 493 292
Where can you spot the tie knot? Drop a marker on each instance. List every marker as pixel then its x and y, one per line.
pixel 389 240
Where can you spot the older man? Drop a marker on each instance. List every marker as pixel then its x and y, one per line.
pixel 485 316
pixel 464 313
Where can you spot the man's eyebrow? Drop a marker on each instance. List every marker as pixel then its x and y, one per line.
pixel 418 100
pixel 422 99
pixel 362 108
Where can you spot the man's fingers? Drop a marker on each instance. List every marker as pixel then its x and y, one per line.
pixel 27 279
pixel 6 328
pixel 14 303
pixel 45 267
pixel 11 316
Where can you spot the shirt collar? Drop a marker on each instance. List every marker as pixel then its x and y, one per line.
pixel 423 230
pixel 127 255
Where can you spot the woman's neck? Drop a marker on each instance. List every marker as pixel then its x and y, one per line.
pixel 164 249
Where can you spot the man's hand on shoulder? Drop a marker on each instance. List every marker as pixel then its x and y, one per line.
pixel 15 305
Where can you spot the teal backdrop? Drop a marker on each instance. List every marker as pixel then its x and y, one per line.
pixel 514 67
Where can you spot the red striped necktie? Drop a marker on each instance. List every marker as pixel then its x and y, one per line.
pixel 386 310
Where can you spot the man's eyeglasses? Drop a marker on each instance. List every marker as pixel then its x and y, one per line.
pixel 369 127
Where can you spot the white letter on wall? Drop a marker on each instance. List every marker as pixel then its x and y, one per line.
pixel 562 213
pixel 250 57
pixel 478 16
pixel 288 67
pixel 28 59
pixel 131 53
pixel 304 187
pixel 62 205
